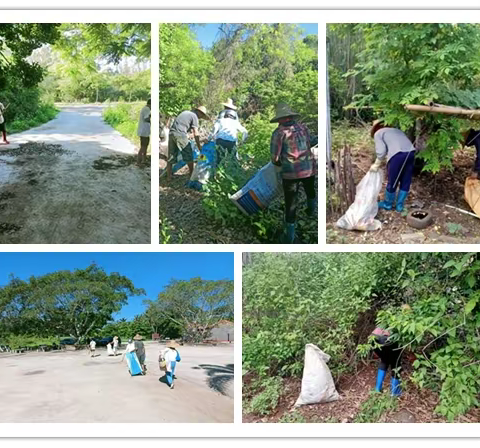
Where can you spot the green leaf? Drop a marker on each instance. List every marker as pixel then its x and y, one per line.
pixel 470 306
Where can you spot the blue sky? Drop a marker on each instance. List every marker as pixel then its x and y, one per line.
pixel 208 33
pixel 148 270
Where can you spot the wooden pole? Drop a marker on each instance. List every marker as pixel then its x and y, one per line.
pixel 472 114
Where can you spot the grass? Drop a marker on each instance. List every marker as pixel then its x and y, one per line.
pixel 44 113
pixel 124 118
pixel 344 133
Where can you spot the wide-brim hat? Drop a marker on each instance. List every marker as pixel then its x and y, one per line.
pixel 203 111
pixel 282 110
pixel 229 104
pixel 375 125
pixel 137 337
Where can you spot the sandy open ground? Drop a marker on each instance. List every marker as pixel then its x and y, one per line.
pixel 71 387
pixel 90 192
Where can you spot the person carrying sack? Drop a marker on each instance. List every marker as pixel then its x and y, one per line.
pixel 170 357
pixel 393 145
pixel 292 155
pixel 3 127
pixel 140 351
pixel 178 140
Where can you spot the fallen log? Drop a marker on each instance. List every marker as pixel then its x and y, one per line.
pixel 472 114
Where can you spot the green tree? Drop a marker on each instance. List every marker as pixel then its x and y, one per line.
pixel 417 64
pixel 195 306
pixel 77 303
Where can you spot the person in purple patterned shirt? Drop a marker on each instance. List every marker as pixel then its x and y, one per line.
pixel 292 155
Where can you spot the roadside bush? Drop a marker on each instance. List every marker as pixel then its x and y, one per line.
pixel 267 399
pixel 19 341
pixel 124 118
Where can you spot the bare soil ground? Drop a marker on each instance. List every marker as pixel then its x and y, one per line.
pixel 71 387
pixel 430 193
pixel 73 180
pixel 414 406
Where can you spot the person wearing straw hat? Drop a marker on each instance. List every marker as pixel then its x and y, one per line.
pixel 230 108
pixel 393 145
pixel 140 351
pixel 3 127
pixel 178 141
pixel 171 356
pixel 225 134
pixel 292 155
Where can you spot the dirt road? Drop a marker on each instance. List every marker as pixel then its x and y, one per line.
pixel 87 190
pixel 71 387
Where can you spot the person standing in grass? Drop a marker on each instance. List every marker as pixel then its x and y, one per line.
pixel 393 145
pixel 171 357
pixel 291 153
pixel 143 131
pixel 225 134
pixel 178 141
pixel 3 127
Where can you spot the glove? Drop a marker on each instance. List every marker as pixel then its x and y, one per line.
pixel 374 168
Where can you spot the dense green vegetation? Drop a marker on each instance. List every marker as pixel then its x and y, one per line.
pixel 258 65
pixel 45 63
pixel 335 300
pixel 376 69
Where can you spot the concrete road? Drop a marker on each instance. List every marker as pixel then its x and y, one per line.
pixel 71 387
pixel 89 193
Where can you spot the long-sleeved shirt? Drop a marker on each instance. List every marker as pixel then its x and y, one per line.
pixel 143 129
pixel 228 129
pixel 2 109
pixel 170 355
pixel 290 149
pixel 391 141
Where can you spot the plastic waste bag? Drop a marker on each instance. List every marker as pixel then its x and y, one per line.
pixel 205 166
pixel 317 381
pixel 361 214
pixel 181 163
pixel 259 191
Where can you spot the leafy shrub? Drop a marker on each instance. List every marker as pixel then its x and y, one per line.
pixel 268 398
pixel 124 118
pixel 332 300
pixel 19 341
pixel 375 407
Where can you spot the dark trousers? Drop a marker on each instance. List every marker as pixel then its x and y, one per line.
pixel 227 145
pixel 144 142
pixel 290 190
pixel 390 356
pixel 476 167
pixel 400 171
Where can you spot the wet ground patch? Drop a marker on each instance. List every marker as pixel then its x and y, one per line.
pixel 34 372
pixel 7 227
pixel 34 149
pixel 114 162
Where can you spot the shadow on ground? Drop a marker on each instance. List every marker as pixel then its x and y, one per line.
pixel 219 377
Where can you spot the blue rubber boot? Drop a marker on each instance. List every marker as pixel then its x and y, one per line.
pixel 289 233
pixel 312 207
pixel 402 195
pixel 380 377
pixel 396 387
pixel 387 203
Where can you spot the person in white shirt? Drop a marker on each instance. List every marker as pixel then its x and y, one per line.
pixel 171 357
pixel 143 131
pixel 2 124
pixel 115 345
pixel 93 344
pixel 225 134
